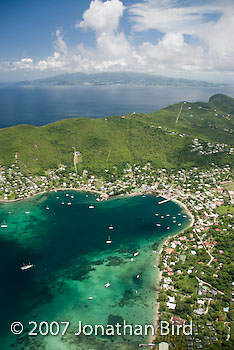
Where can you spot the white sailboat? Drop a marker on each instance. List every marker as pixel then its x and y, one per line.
pixel 108 241
pixel 4 224
pixel 111 227
pixel 26 267
pixel 91 206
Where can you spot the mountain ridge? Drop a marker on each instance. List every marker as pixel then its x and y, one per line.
pixel 114 78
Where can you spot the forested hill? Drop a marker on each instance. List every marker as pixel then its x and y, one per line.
pixel 182 135
pixel 223 102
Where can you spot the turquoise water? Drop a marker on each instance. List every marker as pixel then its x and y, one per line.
pixel 67 244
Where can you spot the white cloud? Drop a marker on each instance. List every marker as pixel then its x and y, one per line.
pixel 60 44
pixel 24 63
pixel 102 16
pixel 196 40
pixel 211 24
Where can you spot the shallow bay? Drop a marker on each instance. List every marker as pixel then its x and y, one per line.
pixel 67 244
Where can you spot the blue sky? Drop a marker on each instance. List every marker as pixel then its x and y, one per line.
pixel 179 38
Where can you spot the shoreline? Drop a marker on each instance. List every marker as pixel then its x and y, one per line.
pixel 161 246
pixel 8 201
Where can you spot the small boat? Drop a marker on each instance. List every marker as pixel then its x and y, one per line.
pixel 174 217
pixel 86 195
pixel 107 285
pixel 111 227
pixel 108 241
pixel 90 298
pixel 27 212
pixel 137 276
pixel 184 216
pixel 57 197
pixel 168 227
pixel 179 224
pixel 91 206
pixel 179 214
pixel 4 224
pixel 72 197
pixel 135 254
pixel 158 225
pixel 162 216
pixel 26 267
pixel 67 195
pixel 69 203
pixel 156 214
pixel 174 221
pixel 62 203
pixel 168 215
pixel 47 207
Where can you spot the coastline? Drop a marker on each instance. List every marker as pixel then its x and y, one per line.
pixel 162 245
pixel 132 194
pixel 7 201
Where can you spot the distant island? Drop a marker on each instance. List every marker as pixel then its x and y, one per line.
pixel 116 78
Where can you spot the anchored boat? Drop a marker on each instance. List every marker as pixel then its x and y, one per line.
pixel 26 267
pixel 4 224
pixel 108 241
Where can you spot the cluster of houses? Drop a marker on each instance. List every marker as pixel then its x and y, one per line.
pixel 205 148
pixel 202 192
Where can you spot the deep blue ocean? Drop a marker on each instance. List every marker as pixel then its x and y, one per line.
pixel 42 105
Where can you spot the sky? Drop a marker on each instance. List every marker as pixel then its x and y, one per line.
pixel 190 39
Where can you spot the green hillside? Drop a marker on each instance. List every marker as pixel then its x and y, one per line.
pixel 223 102
pixel 135 138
